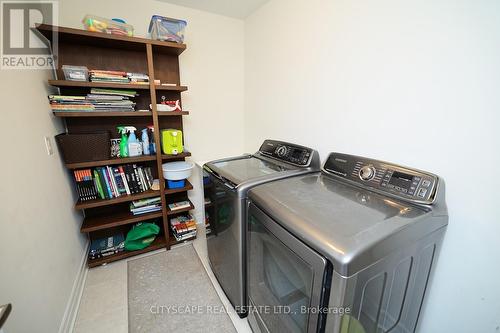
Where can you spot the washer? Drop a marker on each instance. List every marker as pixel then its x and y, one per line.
pixel 346 250
pixel 228 183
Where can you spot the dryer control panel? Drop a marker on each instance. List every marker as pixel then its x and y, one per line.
pixel 394 180
pixel 287 152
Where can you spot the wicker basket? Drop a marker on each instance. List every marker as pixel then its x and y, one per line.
pixel 84 147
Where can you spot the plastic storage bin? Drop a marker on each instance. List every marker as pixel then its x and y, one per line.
pixel 100 24
pixel 75 73
pixel 177 170
pixel 167 29
pixel 84 147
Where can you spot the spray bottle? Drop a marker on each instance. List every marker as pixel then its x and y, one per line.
pixel 123 141
pixel 134 146
pixel 152 144
pixel 145 141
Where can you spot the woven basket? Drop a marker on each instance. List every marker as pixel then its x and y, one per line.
pixel 84 147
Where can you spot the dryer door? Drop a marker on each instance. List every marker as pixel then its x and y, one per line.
pixel 285 278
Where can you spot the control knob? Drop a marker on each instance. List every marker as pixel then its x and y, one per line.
pixel 367 173
pixel 281 151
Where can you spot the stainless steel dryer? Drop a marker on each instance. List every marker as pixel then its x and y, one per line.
pixel 228 183
pixel 347 250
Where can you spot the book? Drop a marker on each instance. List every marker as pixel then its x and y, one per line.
pixel 183 227
pixel 179 205
pixel 124 179
pixel 85 185
pixel 109 182
pixel 106 246
pixel 98 184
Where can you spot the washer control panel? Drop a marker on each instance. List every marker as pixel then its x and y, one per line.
pixel 286 152
pixel 395 180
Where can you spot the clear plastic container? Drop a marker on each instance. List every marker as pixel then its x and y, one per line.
pixel 75 73
pixel 167 29
pixel 100 24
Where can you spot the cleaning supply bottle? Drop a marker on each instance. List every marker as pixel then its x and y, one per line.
pixel 145 141
pixel 123 141
pixel 134 146
pixel 152 144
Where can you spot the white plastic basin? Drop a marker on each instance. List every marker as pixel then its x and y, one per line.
pixel 177 170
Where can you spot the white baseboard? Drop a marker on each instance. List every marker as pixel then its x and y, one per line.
pixel 69 318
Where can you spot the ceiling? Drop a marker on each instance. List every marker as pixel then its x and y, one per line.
pixel 232 8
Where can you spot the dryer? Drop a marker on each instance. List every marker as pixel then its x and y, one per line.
pixel 347 250
pixel 228 183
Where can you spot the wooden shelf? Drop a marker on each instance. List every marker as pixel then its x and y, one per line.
pixel 178 211
pixel 175 157
pixel 113 161
pixel 124 198
pixel 176 113
pixel 188 186
pixel 103 114
pixel 170 88
pixel 157 244
pixel 79 36
pixel 87 84
pixel 174 241
pixel 91 224
pixel 159 60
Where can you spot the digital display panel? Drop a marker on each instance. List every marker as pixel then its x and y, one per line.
pixel 400 179
pixel 339 164
pixel 296 153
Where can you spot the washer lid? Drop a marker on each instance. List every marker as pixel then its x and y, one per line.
pixel 350 226
pixel 246 168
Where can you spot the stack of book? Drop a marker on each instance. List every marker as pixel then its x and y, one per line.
pixel 101 100
pixel 183 227
pixel 145 206
pixel 97 75
pixel 179 205
pixel 112 181
pixel 59 103
pixel 138 78
pixel 208 228
pixel 111 100
pixel 103 247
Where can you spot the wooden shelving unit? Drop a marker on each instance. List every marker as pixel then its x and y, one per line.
pixel 175 157
pixel 111 161
pixel 188 186
pixel 107 202
pixel 132 54
pixel 79 84
pixel 178 211
pixel 104 114
pixel 91 224
pixel 158 243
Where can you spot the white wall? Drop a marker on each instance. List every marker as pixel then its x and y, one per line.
pixel 41 247
pixel 212 68
pixel 413 82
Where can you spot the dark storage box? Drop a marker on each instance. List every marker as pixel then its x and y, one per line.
pixel 84 147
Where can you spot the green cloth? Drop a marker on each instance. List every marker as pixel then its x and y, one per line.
pixel 141 236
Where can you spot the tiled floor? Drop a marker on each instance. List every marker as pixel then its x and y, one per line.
pixel 103 307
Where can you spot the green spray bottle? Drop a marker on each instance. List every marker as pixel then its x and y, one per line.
pixel 123 141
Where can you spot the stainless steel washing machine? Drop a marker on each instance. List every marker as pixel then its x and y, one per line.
pixel 348 250
pixel 228 181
